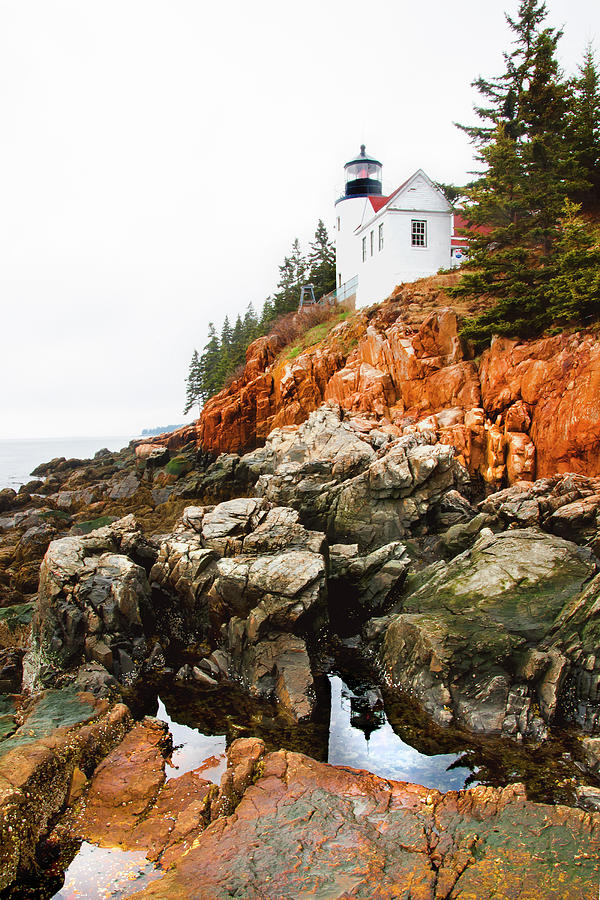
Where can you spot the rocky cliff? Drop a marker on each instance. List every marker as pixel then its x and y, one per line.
pixel 524 409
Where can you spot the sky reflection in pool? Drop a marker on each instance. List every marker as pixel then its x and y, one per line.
pixel 97 873
pixel 194 749
pixel 383 753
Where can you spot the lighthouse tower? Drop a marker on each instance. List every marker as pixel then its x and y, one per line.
pixel 363 180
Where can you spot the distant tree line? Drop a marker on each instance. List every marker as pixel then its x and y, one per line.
pixel 538 193
pixel 225 352
pixel 159 429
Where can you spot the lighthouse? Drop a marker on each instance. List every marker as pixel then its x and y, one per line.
pixel 382 241
pixel 363 180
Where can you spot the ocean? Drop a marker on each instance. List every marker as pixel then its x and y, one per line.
pixel 18 456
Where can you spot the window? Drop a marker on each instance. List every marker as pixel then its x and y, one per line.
pixel 419 233
pixel 372 242
pixel 339 280
pixel 381 237
pixel 364 248
pixel 338 223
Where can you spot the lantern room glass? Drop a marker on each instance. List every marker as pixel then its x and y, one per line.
pixel 363 168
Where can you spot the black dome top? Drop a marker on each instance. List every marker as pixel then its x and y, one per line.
pixel 361 158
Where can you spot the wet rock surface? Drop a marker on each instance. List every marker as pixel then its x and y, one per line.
pixel 63 733
pixel 284 825
pixel 130 804
pixel 475 642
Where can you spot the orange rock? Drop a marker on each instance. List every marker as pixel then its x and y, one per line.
pixel 559 378
pixel 402 362
pixel 520 457
pixel 495 452
pixel 129 804
pixel 306 829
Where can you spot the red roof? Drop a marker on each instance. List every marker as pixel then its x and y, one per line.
pixel 378 202
pixel 460 224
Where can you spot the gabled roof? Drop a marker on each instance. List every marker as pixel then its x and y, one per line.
pixel 379 203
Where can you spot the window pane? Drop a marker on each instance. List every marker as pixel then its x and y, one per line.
pixel 419 233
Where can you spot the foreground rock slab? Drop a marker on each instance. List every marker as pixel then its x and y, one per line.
pixel 307 829
pixel 65 734
pixel 130 804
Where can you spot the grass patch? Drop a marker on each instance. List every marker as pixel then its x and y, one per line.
pixel 93 524
pixel 315 335
pixel 18 615
pixel 57 516
pixel 179 465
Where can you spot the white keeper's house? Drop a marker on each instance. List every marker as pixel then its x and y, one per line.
pixel 384 241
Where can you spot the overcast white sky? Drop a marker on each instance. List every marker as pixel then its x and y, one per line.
pixel 158 157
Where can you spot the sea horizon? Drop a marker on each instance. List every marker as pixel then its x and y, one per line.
pixel 19 456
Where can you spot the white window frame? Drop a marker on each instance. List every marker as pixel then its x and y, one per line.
pixel 364 248
pixel 372 242
pixel 381 237
pixel 418 234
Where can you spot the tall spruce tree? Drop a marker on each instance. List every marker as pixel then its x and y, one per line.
pixel 574 288
pixel 193 392
pixel 529 168
pixel 250 325
pixel 211 374
pixel 292 275
pixel 238 344
pixel 583 127
pixel 321 262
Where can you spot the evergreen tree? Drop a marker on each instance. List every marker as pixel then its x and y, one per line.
pixel 267 315
pixel 321 262
pixel 574 289
pixel 224 364
pixel 238 344
pixel 529 169
pixel 250 325
pixel 583 127
pixel 292 275
pixel 209 364
pixel 193 393
pixel 503 94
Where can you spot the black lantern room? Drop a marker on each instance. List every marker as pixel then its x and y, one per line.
pixel 363 175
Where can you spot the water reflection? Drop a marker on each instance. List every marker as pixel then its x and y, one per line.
pixel 361 736
pixel 97 873
pixel 193 749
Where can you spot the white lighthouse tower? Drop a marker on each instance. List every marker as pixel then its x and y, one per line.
pixel 363 180
pixel 385 241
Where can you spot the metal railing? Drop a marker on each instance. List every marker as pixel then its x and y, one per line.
pixel 345 290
